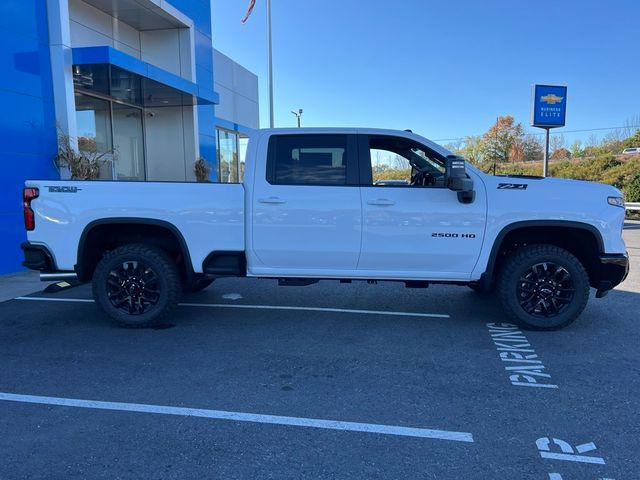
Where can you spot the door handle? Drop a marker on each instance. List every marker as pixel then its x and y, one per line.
pixel 272 200
pixel 382 202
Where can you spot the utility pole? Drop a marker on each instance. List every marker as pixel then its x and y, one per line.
pixel 270 61
pixel 298 115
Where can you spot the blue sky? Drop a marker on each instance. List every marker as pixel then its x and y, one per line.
pixel 443 69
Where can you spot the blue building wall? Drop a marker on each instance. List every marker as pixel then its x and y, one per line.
pixel 27 119
pixel 200 12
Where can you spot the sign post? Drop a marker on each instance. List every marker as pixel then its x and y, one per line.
pixel 548 110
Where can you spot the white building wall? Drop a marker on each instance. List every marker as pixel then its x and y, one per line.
pixel 171 151
pixel 167 49
pixel 171 146
pixel 238 90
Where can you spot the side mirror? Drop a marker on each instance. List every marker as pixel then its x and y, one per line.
pixel 457 180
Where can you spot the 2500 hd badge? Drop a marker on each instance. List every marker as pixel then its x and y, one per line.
pixel 453 235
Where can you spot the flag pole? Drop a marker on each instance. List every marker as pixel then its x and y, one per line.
pixel 270 61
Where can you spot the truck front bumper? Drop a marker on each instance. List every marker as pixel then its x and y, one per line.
pixel 612 270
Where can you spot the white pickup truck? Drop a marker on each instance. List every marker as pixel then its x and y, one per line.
pixel 341 204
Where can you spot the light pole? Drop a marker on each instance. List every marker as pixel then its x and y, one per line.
pixel 298 114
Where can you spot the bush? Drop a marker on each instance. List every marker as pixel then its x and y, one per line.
pixel 202 169
pixel 632 190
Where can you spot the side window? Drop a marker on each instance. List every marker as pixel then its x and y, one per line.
pixel 399 162
pixel 307 160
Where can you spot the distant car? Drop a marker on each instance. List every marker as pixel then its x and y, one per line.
pixel 631 151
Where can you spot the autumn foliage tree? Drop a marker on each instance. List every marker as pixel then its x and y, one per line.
pixel 501 138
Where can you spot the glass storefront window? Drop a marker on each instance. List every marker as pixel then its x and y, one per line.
pixel 227 156
pixel 243 143
pixel 93 119
pixel 126 86
pixel 94 78
pixel 128 141
pixel 105 126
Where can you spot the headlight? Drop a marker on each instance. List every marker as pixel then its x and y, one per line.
pixel 616 201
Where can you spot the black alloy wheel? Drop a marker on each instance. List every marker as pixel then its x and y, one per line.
pixel 133 287
pixel 136 285
pixel 543 287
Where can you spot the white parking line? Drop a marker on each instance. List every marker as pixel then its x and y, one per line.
pixel 243 417
pixel 263 307
pixel 80 300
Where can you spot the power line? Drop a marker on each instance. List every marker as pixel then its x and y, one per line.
pixel 542 133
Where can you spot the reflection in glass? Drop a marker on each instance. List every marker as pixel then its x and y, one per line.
pixel 93 120
pixel 227 156
pixel 92 77
pixel 243 142
pixel 126 86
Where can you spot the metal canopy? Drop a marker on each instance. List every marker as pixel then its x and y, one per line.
pixel 157 87
pixel 142 14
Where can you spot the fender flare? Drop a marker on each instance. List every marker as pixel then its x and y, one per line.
pixel 487 277
pixel 79 268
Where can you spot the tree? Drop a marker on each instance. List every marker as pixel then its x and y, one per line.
pixel 632 141
pixel 517 152
pixel 630 126
pixel 561 154
pixel 576 149
pixel 501 137
pixel 455 146
pixel 532 149
pixel 556 142
pixel 474 149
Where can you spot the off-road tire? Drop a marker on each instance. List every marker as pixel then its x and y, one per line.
pixel 527 279
pixel 165 284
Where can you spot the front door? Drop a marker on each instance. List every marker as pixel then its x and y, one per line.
pixel 306 215
pixel 413 226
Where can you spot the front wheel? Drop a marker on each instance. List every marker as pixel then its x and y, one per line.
pixel 136 285
pixel 543 287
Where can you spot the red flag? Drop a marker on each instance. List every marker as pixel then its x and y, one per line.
pixel 249 10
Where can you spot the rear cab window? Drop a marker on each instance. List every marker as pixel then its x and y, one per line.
pixel 312 159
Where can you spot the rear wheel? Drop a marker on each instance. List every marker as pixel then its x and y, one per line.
pixel 543 287
pixel 136 285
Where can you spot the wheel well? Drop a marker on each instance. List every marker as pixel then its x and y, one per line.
pixel 581 242
pixel 102 237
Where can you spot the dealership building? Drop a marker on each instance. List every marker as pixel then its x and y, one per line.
pixel 136 79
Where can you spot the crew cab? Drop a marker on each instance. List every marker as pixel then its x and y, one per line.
pixel 342 204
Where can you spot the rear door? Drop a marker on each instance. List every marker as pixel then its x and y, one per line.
pixel 306 209
pixel 413 226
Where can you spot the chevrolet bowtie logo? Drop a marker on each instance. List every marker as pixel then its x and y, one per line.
pixel 551 99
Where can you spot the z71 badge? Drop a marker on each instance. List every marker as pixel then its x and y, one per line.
pixel 57 189
pixel 512 186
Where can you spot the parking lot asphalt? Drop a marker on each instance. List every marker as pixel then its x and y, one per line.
pixel 230 389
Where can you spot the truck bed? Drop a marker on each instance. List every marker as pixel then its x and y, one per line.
pixel 64 210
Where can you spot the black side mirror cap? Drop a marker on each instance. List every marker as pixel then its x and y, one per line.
pixel 457 180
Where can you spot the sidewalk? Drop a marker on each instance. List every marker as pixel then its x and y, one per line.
pixel 18 284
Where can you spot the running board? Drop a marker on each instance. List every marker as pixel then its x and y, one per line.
pixel 296 282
